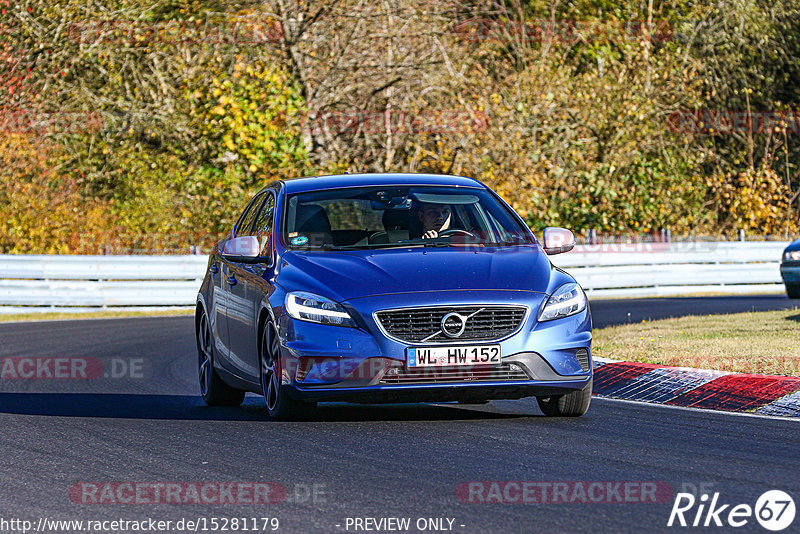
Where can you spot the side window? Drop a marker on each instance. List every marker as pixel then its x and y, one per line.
pixel 246 221
pixel 263 227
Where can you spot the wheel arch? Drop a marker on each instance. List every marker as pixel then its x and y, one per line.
pixel 265 314
pixel 200 308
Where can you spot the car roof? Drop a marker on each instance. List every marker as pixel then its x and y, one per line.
pixel 316 183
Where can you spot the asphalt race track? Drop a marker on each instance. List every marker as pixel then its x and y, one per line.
pixel 612 312
pixel 140 419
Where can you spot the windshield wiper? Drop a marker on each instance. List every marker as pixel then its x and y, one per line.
pixel 383 245
pixel 511 242
pixel 361 247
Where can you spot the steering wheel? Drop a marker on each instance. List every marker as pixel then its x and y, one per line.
pixel 375 235
pixel 457 230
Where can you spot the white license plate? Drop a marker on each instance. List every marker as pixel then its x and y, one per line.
pixel 453 355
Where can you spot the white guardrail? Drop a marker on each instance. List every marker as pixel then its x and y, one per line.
pixel 31 283
pixel 661 269
pixel 86 283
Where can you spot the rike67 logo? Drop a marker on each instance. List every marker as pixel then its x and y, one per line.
pixel 774 510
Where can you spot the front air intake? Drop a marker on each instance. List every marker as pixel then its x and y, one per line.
pixel 583 359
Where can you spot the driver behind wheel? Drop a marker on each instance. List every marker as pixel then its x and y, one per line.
pixel 435 218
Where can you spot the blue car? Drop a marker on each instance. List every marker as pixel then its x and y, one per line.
pixel 390 288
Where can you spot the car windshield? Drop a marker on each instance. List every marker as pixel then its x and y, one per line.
pixel 385 217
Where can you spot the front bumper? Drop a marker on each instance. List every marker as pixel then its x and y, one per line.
pixel 324 362
pixel 790 272
pixel 437 393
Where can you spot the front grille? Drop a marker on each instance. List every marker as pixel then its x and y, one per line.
pixel 418 324
pixel 434 375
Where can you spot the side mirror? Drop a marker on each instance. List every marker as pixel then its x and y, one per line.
pixel 556 240
pixel 245 249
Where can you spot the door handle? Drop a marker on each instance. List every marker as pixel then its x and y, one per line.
pixel 214 269
pixel 232 280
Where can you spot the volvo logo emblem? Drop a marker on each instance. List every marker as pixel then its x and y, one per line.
pixel 453 324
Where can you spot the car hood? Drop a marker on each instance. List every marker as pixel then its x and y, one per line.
pixel 353 274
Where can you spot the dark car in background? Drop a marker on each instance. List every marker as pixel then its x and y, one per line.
pixel 790 269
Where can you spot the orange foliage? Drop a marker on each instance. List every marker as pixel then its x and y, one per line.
pixel 40 211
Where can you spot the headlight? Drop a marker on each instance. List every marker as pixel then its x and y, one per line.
pixel 567 300
pixel 792 255
pixel 317 309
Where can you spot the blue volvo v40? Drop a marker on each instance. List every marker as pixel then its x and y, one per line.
pixel 390 288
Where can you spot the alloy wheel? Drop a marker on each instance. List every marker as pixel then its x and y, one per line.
pixel 205 354
pixel 270 367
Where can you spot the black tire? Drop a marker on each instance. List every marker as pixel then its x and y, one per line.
pixel 215 392
pixel 793 291
pixel 572 404
pixel 280 406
